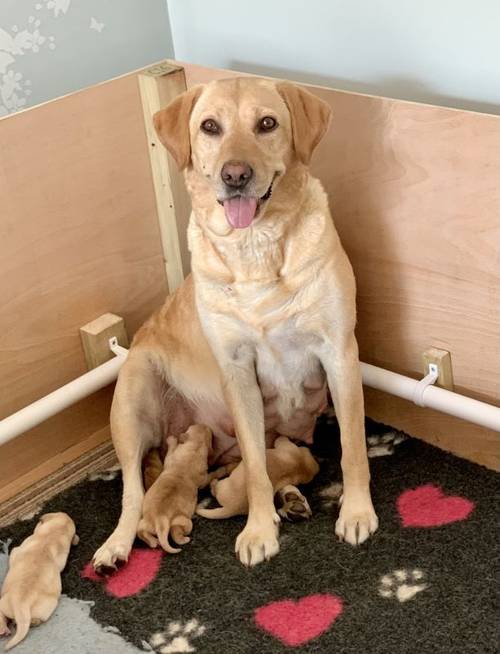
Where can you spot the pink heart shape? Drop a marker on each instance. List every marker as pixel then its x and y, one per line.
pixel 297 622
pixel 140 570
pixel 428 506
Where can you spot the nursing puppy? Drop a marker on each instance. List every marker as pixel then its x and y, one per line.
pixel 32 587
pixel 287 465
pixel 170 502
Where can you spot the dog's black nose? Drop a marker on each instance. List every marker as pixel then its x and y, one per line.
pixel 236 174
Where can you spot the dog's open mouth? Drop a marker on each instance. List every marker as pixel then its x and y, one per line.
pixel 241 210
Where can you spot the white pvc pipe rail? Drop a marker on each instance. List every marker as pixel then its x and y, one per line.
pixel 424 394
pixel 432 397
pixel 63 397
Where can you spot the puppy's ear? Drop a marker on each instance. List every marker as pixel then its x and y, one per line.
pixel 310 118
pixel 75 540
pixel 172 126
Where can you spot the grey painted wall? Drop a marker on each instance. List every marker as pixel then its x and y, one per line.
pixel 438 51
pixel 51 47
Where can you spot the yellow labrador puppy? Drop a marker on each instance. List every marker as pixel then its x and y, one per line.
pixel 250 341
pixel 170 502
pixel 32 587
pixel 287 465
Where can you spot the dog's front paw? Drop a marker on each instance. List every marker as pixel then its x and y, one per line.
pixel 357 520
pixel 113 553
pixel 258 541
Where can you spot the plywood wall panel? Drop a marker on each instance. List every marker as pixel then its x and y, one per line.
pixel 79 237
pixel 78 232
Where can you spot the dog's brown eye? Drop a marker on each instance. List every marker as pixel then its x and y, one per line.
pixel 267 124
pixel 210 126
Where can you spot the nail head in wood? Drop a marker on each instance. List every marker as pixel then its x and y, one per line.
pixel 442 359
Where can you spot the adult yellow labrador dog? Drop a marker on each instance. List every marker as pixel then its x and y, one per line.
pixel 249 342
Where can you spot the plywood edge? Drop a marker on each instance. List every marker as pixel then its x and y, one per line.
pixel 464 439
pixel 173 64
pixel 158 86
pixel 35 496
pixel 198 74
pixel 58 462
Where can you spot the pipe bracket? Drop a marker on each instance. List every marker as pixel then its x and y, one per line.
pixel 420 388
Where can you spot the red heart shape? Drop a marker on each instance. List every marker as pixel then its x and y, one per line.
pixel 428 506
pixel 139 571
pixel 298 622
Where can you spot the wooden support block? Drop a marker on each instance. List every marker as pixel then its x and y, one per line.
pixel 95 338
pixel 158 86
pixel 442 358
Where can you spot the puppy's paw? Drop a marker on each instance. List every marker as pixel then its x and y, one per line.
pixel 258 541
pixel 4 629
pixel 295 507
pixel 146 533
pixel 111 555
pixel 357 520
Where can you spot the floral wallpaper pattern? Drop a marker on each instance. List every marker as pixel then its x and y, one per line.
pixel 52 47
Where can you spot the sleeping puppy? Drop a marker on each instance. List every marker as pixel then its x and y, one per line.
pixel 170 502
pixel 32 587
pixel 287 465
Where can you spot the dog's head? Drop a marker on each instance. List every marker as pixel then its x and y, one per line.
pixel 242 135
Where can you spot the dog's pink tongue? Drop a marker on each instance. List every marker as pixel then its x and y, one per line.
pixel 240 211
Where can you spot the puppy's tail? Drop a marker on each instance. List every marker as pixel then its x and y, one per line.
pixel 22 616
pixel 162 531
pixel 216 514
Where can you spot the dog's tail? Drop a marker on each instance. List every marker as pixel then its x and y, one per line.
pixel 22 617
pixel 163 531
pixel 181 527
pixel 216 514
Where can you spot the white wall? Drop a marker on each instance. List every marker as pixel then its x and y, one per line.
pixel 438 51
pixel 51 47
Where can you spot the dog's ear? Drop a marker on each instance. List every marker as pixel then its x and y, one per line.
pixel 310 118
pixel 172 126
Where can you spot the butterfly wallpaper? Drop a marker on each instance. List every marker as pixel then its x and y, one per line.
pixel 52 47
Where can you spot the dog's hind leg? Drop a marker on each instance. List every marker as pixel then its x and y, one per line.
pixel 43 609
pixel 136 426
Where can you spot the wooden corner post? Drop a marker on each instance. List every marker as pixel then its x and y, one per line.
pixel 158 86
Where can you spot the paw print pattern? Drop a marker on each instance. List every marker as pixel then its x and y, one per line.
pixel 105 475
pixel 384 444
pixel 331 495
pixel 402 585
pixel 177 637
